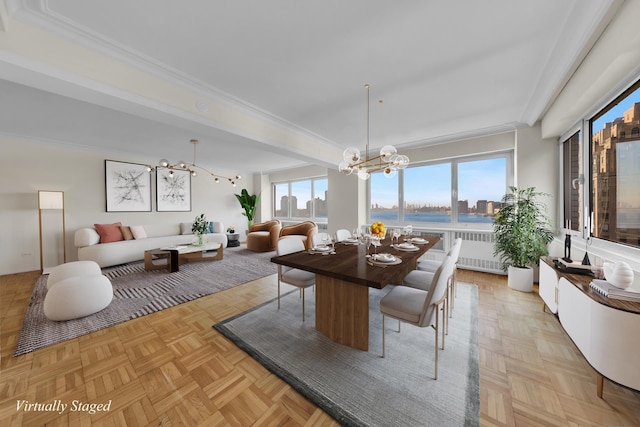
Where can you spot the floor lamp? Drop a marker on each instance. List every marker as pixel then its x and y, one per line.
pixel 47 201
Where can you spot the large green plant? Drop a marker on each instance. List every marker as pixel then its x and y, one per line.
pixel 249 202
pixel 522 229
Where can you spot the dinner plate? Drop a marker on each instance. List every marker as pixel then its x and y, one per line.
pixel 384 264
pixel 384 258
pixel 419 241
pixel 321 249
pixel 406 247
pixel 351 241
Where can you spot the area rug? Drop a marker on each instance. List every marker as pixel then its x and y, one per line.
pixel 138 292
pixel 360 388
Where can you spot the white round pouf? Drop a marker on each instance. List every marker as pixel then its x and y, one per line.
pixel 71 269
pixel 78 296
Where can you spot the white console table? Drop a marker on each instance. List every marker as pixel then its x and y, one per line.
pixel 605 330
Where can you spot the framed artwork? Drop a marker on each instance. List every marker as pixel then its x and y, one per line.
pixel 173 191
pixel 128 187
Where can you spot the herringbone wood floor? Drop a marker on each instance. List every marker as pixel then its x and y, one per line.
pixel 172 368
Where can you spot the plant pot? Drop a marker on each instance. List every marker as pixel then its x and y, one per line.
pixel 520 279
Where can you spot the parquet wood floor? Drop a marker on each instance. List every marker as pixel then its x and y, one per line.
pixel 172 368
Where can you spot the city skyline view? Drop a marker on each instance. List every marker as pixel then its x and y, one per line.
pixel 430 185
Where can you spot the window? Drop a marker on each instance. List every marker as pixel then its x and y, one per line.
pixel 615 169
pixel 572 179
pixel 302 199
pixel 426 194
pixel 481 185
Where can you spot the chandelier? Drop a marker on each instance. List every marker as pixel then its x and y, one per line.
pixel 184 166
pixel 387 161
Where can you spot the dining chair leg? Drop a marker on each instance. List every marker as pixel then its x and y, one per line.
pixel 399 326
pixel 445 323
pixel 302 289
pixel 435 376
pixel 278 293
pixel 383 317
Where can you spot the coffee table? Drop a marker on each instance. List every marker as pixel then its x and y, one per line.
pixel 174 256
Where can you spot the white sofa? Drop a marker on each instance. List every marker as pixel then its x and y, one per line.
pixel 87 240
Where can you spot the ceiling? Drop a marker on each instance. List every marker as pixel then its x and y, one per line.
pixel 445 70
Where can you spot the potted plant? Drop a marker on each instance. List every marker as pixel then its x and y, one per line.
pixel 249 202
pixel 522 231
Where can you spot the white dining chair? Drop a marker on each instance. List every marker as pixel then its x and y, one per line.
pixel 342 234
pixel 299 278
pixel 419 307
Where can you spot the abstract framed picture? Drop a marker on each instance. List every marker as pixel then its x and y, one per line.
pixel 128 187
pixel 173 190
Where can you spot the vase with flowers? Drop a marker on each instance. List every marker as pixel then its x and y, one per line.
pixel 199 228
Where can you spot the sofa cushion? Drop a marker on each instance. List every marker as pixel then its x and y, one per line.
pixel 109 232
pixel 126 232
pixel 185 228
pixel 138 232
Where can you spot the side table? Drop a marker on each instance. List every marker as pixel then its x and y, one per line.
pixel 233 240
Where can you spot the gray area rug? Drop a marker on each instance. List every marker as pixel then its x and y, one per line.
pixel 360 388
pixel 138 292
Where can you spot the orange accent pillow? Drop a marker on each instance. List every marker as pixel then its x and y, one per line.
pixel 109 232
pixel 126 232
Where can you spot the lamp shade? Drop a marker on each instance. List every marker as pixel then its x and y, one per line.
pixel 50 199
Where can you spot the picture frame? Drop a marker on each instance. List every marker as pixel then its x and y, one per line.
pixel 127 187
pixel 173 190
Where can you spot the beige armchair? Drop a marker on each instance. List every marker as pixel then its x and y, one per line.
pixel 263 237
pixel 304 230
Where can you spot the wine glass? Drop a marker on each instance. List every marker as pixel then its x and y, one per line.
pixel 396 234
pixel 325 239
pixel 367 241
pixel 375 241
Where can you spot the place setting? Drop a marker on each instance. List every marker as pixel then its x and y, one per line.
pixel 326 247
pixel 383 260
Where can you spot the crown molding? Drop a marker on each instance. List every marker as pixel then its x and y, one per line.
pixel 567 57
pixel 38 14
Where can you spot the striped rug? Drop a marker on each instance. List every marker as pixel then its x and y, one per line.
pixel 137 292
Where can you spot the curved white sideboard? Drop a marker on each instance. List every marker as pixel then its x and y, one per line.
pixel 606 334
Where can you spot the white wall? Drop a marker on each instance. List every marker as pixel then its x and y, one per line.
pixel 29 166
pixel 537 166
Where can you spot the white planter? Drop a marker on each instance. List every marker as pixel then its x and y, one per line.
pixel 520 279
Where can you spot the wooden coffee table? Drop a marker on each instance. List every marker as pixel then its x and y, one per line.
pixel 175 256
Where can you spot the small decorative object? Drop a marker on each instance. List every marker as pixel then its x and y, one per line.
pixel 379 229
pixel 231 229
pixel 200 227
pixel 619 274
pixel 567 248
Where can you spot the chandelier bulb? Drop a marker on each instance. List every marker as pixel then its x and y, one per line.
pixel 171 173
pixel 194 173
pixel 216 180
pixel 164 163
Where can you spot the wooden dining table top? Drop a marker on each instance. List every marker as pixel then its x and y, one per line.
pixel 349 263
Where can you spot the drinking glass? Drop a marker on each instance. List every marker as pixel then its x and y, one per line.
pixel 367 241
pixel 396 234
pixel 375 241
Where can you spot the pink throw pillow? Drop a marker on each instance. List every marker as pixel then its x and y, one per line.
pixel 138 232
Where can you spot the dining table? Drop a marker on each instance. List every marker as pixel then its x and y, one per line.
pixel 344 275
